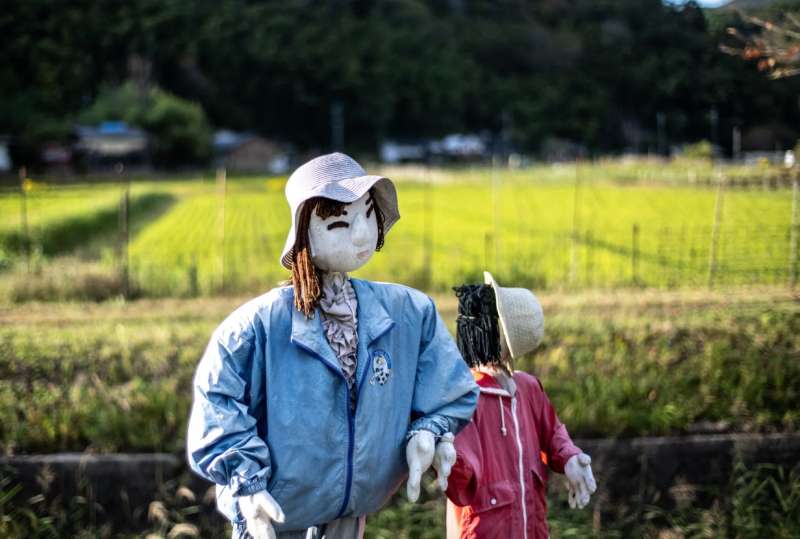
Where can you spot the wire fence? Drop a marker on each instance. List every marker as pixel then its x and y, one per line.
pixel 225 237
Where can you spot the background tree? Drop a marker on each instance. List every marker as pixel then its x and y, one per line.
pixel 776 47
pixel 609 75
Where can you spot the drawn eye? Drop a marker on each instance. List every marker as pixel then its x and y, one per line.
pixel 338 224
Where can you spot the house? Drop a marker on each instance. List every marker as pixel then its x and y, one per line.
pixel 246 152
pixel 393 151
pixel 459 147
pixel 5 157
pixel 110 143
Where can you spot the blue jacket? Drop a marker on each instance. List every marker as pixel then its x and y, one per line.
pixel 272 410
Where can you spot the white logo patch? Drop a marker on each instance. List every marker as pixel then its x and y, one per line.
pixel 381 368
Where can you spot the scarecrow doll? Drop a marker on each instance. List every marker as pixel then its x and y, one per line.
pixel 314 401
pixel 497 486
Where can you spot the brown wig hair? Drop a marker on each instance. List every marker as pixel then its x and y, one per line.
pixel 306 277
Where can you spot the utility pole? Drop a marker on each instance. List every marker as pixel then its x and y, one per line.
pixel 713 117
pixel 661 128
pixel 337 126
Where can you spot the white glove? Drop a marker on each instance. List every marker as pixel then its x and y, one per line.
pixel 419 455
pixel 580 480
pixel 444 458
pixel 259 511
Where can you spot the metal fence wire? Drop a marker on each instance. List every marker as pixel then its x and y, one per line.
pixel 221 237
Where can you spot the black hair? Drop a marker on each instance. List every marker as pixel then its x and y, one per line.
pixel 477 328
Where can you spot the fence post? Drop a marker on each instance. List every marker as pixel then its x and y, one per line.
pixel 487 249
pixel 589 243
pixel 712 258
pixel 23 216
pixel 222 191
pixel 793 262
pixel 124 235
pixel 635 253
pixel 573 268
pixel 497 213
pixel 427 230
pixel 194 285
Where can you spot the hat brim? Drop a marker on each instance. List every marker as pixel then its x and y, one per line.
pixel 347 191
pixel 520 315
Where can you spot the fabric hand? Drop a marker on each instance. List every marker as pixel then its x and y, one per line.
pixel 580 480
pixel 444 459
pixel 259 511
pixel 419 455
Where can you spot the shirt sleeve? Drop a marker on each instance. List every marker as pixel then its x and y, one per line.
pixel 466 472
pixel 445 393
pixel 223 443
pixel 556 441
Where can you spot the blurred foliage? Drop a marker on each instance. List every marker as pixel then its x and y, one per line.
pixel 767 502
pixel 179 129
pixel 698 150
pixel 594 72
pixel 738 370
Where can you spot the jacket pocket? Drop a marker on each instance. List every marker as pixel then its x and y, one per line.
pixel 539 471
pixel 493 512
pixel 537 507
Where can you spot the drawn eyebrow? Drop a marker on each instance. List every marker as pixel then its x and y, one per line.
pixel 338 224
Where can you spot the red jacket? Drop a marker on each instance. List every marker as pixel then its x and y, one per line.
pixel 503 456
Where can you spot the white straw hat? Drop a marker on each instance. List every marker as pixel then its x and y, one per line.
pixel 338 177
pixel 520 316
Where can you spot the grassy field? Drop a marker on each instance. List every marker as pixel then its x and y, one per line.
pixel 549 227
pixel 117 377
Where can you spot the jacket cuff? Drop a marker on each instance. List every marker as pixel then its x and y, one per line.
pixel 251 486
pixel 436 424
pixel 563 456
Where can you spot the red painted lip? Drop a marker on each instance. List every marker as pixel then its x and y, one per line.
pixel 363 254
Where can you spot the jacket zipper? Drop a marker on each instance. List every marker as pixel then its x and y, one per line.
pixel 351 418
pixel 521 469
pixel 350 413
pixel 350 425
pixel 350 444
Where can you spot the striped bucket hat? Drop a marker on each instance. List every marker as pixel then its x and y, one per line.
pixel 338 177
pixel 521 317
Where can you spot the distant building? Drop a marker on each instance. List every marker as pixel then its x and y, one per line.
pixel 246 152
pixel 5 157
pixel 767 143
pixel 110 143
pixel 393 151
pixel 459 146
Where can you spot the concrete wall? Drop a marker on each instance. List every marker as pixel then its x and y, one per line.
pixel 632 474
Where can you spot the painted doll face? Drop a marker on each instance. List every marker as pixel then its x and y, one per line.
pixel 345 242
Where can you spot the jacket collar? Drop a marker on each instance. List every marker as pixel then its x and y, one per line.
pixel 373 322
pixel 488 384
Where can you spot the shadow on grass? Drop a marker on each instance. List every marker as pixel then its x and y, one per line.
pixel 99 227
